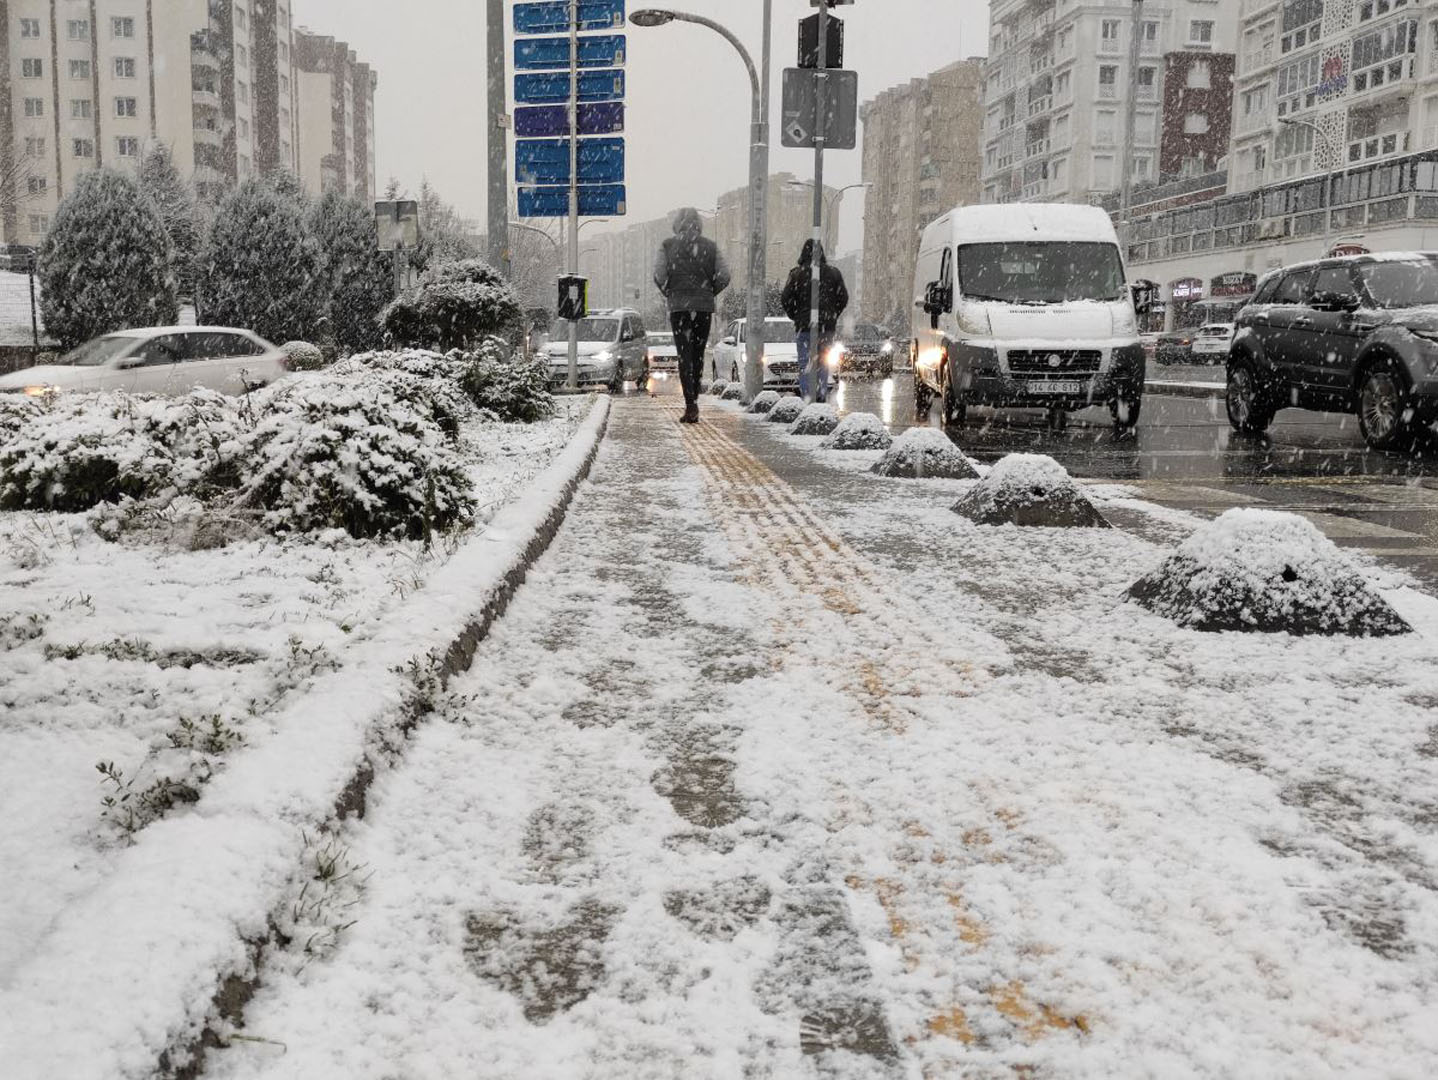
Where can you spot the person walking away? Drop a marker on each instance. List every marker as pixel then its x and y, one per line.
pixel 690 271
pixel 833 299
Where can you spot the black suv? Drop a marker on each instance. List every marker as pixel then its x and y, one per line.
pixel 1357 334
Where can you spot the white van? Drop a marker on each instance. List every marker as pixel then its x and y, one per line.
pixel 1025 305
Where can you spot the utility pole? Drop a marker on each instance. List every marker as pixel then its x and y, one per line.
pixel 498 142
pixel 755 307
pixel 821 79
pixel 1125 198
pixel 574 182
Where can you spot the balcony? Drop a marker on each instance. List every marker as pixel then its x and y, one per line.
pixel 1107 92
pixel 1037 148
pixel 1039 64
pixel 1039 106
pixel 203 60
pixel 207 136
pixel 205 98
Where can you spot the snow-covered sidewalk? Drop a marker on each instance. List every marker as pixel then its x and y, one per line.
pixel 776 768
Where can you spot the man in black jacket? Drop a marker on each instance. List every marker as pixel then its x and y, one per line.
pixel 833 299
pixel 690 272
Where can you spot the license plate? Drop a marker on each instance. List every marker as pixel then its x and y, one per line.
pixel 1046 386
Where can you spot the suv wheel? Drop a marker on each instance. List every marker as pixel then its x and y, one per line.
pixel 1249 410
pixel 1382 403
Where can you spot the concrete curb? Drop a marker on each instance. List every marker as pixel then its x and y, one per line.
pixel 198 889
pixel 1213 391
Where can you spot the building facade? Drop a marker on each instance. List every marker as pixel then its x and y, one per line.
pixel 1056 83
pixel 921 159
pixel 334 100
pixel 791 223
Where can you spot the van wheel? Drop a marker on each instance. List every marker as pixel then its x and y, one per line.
pixel 923 397
pixel 1383 406
pixel 954 409
pixel 1125 414
pixel 1249 409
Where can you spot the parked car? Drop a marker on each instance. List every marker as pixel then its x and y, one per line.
pixel 781 355
pixel 1028 306
pixel 867 350
pixel 159 360
pixel 1211 342
pixel 1357 334
pixel 1174 347
pixel 612 350
pixel 661 353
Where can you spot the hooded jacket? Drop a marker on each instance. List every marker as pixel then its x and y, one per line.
pixel 690 269
pixel 833 293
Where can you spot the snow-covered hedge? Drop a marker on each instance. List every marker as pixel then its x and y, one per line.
pixel 1029 489
pixel 764 401
pixel 815 419
pixel 425 381
pixel 455 305
pixel 506 385
pixel 1263 570
pixel 925 452
pixel 787 409
pixel 859 431
pixel 302 356
pixel 16 411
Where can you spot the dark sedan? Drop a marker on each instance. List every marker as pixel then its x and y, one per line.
pixel 869 350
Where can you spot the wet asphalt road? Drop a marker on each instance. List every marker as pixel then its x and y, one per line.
pixel 1184 455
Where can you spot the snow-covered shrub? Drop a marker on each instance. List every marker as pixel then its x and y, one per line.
pixel 358 277
pixel 106 262
pixel 1263 570
pixel 347 450
pixel 732 392
pixel 1029 489
pixel 302 356
pixel 88 449
pixel 859 431
pixel 262 267
pixel 718 387
pixel 505 385
pixel 423 380
pixel 925 452
pixel 16 413
pixel 787 409
pixel 764 401
pixel 814 419
pixel 455 305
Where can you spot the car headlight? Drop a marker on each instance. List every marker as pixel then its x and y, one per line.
pixel 604 357
pixel 888 348
pixel 836 356
pixel 41 391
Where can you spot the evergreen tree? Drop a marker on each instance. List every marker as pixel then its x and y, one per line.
pixel 106 263
pixel 359 279
pixel 444 236
pixel 160 179
pixel 289 185
pixel 262 268
pixel 455 306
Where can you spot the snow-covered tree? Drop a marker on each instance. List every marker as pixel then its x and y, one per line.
pixel 290 185
pixel 454 305
pixel 262 268
pixel 173 197
pixel 106 264
pixel 359 280
pixel 444 236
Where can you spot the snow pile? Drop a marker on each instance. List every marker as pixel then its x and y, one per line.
pixel 765 401
pixel 859 431
pixel 787 409
pixel 1262 570
pixel 718 387
pixel 815 419
pixel 1029 489
pixel 302 356
pixel 925 452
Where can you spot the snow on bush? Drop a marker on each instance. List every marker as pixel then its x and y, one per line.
pixel 455 305
pixel 717 388
pixel 358 276
pixel 1263 570
pixel 16 411
pixel 815 419
pixel 787 409
pixel 1029 489
pixel 859 431
pixel 423 380
pixel 764 401
pixel 733 392
pixel 106 262
pixel 506 385
pixel 925 452
pixel 302 356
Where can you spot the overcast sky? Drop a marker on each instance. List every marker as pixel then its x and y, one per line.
pixel 688 116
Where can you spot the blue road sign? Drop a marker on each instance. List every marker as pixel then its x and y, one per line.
pixel 595 200
pixel 547 121
pixel 552 16
pixel 552 88
pixel 546 161
pixel 548 53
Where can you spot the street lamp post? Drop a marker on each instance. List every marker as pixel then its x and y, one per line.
pixel 1327 182
pixel 758 175
pixel 831 201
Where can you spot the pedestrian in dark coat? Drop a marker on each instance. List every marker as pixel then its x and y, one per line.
pixel 833 299
pixel 690 272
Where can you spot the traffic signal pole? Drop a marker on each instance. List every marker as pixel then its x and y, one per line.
pixel 574 182
pixel 821 80
pixel 498 142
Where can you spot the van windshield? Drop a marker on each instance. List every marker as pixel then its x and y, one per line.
pixel 1040 273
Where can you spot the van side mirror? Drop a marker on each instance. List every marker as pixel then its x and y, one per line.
pixel 938 299
pixel 729 341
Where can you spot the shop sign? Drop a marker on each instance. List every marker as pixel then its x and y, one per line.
pixel 1186 289
pixel 1236 283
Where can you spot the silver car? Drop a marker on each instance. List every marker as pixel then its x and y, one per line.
pixel 613 350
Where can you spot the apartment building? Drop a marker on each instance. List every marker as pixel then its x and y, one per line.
pixel 334 100
pixel 1056 83
pixel 791 222
pixel 921 158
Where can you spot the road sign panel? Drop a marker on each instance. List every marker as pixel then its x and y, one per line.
pixel 552 16
pixel 595 200
pixel 799 119
pixel 547 53
pixel 546 161
pixel 552 88
pixel 546 121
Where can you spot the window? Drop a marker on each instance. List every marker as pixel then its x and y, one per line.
pixel 83 148
pixel 36 185
pixel 127 146
pixel 1200 32
pixel 1333 279
pixel 1147 81
pixel 242 20
pixel 242 92
pixel 1109 30
pixel 1260 159
pixel 34 106
pixel 1105 127
pixel 1292 140
pixel 29 28
pixel 284 51
pixel 1292 288
pixel 1302 20
pixel 1195 124
pixel 39 224
pixel 1255 102
pixel 242 56
pixel 244 128
pixel 34 147
pixel 1141 164
pixel 1107 81
pixel 122 27
pixel 80 69
pixel 1199 76
pixel 78 29
pixel 1298 81
pixel 32 69
pixel 80 109
pixel 124 67
pixel 1376 9
pixel 1375 54
pixel 1103 172
pixel 126 107
pixel 284 85
pixel 1150 32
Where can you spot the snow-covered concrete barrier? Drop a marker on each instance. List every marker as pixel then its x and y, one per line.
pixel 1029 489
pixel 128 978
pixel 764 401
pixel 815 419
pixel 718 388
pixel 922 452
pixel 787 409
pixel 733 392
pixel 859 431
pixel 1265 571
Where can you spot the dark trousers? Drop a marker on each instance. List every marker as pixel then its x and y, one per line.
pixel 691 334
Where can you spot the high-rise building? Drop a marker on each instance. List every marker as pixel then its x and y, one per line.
pixel 921 158
pixel 1057 81
pixel 334 100
pixel 791 222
